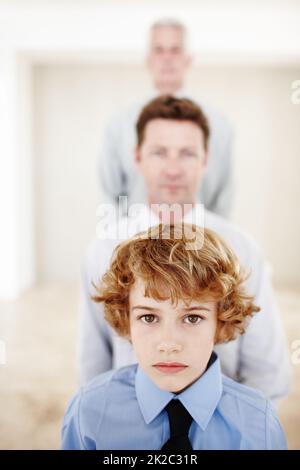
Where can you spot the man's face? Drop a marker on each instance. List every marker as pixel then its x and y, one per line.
pixel 172 344
pixel 167 59
pixel 172 159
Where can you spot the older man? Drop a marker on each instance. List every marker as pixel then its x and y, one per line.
pixel 168 62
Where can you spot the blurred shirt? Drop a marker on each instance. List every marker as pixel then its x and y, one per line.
pixel 126 410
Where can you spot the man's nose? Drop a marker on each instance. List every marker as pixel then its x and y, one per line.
pixel 173 169
pixel 167 55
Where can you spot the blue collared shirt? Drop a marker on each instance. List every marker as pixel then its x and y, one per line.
pixel 124 409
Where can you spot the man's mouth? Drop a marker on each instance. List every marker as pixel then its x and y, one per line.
pixel 170 367
pixel 172 187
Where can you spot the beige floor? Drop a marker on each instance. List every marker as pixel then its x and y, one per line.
pixel 40 374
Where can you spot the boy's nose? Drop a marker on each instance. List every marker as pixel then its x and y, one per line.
pixel 169 346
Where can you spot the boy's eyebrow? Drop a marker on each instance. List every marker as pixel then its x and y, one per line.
pixel 144 307
pixel 198 307
pixel 187 309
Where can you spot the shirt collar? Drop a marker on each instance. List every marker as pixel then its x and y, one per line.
pixel 200 399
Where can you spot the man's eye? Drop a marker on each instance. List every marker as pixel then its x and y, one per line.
pixel 192 319
pixel 148 318
pixel 158 153
pixel 188 153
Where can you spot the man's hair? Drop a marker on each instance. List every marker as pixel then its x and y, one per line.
pixel 171 271
pixel 177 109
pixel 169 23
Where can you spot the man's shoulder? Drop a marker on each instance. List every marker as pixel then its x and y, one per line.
pixel 218 120
pixel 128 113
pixel 100 245
pixel 97 256
pixel 111 231
pixel 114 229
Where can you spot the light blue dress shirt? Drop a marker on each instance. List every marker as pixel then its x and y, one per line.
pixel 124 410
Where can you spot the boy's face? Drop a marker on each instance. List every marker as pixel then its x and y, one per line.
pixel 172 344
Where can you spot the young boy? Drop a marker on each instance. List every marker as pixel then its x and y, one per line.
pixel 174 292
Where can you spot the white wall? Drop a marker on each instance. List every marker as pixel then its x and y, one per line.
pixel 112 31
pixel 71 105
pixel 267 157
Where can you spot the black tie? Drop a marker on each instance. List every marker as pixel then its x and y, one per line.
pixel 180 421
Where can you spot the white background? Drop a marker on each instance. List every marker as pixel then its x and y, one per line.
pixel 65 67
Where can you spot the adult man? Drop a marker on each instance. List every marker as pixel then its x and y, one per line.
pixel 171 156
pixel 168 62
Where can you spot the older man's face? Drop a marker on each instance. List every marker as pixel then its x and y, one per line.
pixel 167 59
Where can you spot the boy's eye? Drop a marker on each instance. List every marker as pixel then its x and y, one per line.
pixel 149 318
pixel 192 319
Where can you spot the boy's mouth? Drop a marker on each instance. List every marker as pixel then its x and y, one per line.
pixel 170 367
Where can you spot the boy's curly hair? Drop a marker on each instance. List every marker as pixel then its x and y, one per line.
pixel 165 260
